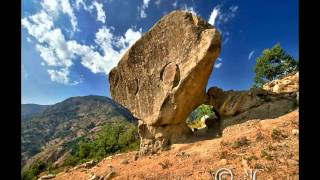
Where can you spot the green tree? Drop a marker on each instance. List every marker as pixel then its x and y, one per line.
pixel 274 63
pixel 201 111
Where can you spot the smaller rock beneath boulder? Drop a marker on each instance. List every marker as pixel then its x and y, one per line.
pixel 125 161
pixel 94 177
pixel 108 176
pixel 295 132
pixel 49 176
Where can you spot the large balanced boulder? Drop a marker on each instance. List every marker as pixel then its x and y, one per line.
pixel 163 77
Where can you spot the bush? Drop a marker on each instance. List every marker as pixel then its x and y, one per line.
pixel 274 63
pixel 32 172
pixel 114 137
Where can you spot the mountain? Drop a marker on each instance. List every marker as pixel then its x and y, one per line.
pixel 46 128
pixel 32 109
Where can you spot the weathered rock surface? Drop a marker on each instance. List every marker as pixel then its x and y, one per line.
pixel 284 85
pixel 163 77
pixel 232 103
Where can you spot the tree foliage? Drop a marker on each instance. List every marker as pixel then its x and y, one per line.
pixel 201 111
pixel 274 63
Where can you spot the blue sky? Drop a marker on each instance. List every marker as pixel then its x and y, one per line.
pixel 69 46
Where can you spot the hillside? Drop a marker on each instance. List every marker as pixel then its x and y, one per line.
pixel 32 109
pixel 46 128
pixel 268 144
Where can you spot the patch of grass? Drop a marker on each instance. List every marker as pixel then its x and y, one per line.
pixel 253 157
pixel 278 135
pixel 259 136
pixel 258 166
pixel 266 155
pixel 271 148
pixel 243 141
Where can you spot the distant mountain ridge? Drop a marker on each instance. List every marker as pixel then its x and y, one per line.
pixel 46 126
pixel 31 109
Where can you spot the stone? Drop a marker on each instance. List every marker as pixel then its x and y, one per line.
pixel 125 161
pixel 287 84
pixel 49 176
pixel 162 78
pixel 94 177
pixel 110 175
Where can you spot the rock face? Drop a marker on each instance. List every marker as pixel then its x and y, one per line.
pixel 233 103
pixel 163 77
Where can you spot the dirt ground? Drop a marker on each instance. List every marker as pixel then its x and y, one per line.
pixel 270 145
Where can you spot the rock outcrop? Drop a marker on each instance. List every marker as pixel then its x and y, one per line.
pixel 285 85
pixel 163 77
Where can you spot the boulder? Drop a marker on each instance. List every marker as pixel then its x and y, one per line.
pixel 163 77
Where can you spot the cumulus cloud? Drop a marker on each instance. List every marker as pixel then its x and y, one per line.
pixel 55 7
pixel 59 54
pixel 61 76
pixel 250 54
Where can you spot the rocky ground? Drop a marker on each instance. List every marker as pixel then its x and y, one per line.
pixel 271 145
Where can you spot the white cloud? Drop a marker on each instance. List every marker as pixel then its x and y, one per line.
pixel 143 14
pixel 219 59
pixel 175 4
pixel 61 76
pixel 145 3
pixel 213 16
pixel 59 53
pixel 189 9
pixel 54 7
pixel 101 15
pixel 218 65
pixel 250 54
pixel 225 17
pixel 29 40
pixel 144 6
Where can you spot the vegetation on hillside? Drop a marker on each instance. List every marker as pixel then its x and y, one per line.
pixel 114 137
pixel 71 118
pixel 273 64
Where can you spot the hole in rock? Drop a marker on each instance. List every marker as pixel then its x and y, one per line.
pixel 204 121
